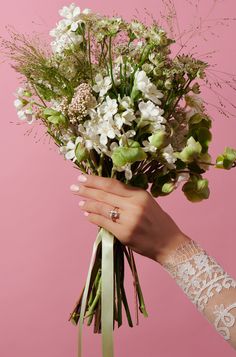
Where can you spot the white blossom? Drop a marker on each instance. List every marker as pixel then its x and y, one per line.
pixel 127 117
pixel 127 169
pixel 18 104
pixel 102 85
pixel 106 129
pixel 148 89
pixel 147 146
pixel 108 108
pixel 150 111
pixel 125 102
pixel 26 114
pixel 167 153
pixel 69 149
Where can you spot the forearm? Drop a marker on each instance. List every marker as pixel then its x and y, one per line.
pixel 204 281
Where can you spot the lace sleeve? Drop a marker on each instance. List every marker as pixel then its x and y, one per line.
pixel 207 285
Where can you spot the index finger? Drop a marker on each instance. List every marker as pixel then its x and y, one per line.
pixel 107 184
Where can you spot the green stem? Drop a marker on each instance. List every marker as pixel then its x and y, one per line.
pixel 110 63
pixel 97 297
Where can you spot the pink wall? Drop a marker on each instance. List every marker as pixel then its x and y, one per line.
pixel 46 241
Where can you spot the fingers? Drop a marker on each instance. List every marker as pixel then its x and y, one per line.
pixel 99 208
pixel 104 222
pixel 107 184
pixel 98 195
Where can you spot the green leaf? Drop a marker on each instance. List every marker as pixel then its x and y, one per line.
pixel 190 152
pixel 168 187
pixel 196 189
pixel 50 112
pixel 160 181
pixel 227 159
pixel 81 153
pixel 158 139
pixel 54 119
pixel 128 154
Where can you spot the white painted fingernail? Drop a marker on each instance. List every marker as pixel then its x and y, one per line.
pixel 86 213
pixel 81 203
pixel 74 188
pixel 82 178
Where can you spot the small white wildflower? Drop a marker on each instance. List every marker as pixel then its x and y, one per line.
pixel 151 111
pixel 102 84
pixel 149 89
pixel 18 104
pixel 69 149
pixel 126 117
pixel 147 146
pixel 108 108
pixel 106 129
pixel 127 169
pixel 27 115
pixel 167 153
pixel 125 102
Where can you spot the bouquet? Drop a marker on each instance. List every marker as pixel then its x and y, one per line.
pixel 117 104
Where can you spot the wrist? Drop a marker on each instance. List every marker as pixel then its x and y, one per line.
pixel 179 239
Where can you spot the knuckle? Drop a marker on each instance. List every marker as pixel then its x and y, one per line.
pixel 93 218
pixel 110 183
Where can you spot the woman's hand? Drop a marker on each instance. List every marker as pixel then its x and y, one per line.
pixel 142 225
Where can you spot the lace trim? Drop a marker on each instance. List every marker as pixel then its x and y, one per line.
pixel 226 318
pixel 201 277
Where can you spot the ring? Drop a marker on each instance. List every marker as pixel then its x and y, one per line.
pixel 114 214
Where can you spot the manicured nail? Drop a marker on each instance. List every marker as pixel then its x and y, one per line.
pixel 74 188
pixel 86 213
pixel 82 178
pixel 81 203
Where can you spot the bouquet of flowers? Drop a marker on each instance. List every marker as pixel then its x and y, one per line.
pixel 117 104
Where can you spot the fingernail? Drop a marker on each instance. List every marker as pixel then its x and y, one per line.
pixel 86 213
pixel 82 178
pixel 74 188
pixel 81 203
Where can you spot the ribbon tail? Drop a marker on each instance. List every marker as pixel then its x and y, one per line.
pixel 85 294
pixel 107 296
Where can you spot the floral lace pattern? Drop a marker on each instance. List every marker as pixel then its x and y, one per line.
pixel 207 285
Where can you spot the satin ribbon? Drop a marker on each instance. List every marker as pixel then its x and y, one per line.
pixel 107 294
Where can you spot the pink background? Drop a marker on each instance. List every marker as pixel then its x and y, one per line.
pixel 46 241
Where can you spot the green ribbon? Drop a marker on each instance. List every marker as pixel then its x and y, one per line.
pixel 107 293
pixel 107 297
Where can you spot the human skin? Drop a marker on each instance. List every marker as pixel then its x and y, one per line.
pixel 142 225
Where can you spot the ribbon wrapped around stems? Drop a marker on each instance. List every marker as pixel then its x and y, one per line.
pixel 104 292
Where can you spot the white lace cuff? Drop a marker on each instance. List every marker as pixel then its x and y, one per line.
pixel 207 285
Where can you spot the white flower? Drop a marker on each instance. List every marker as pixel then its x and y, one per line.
pixel 149 90
pixel 126 117
pixel 20 92
pixel 108 108
pixel 147 146
pixel 167 153
pixel 125 102
pixel 18 104
pixel 142 80
pixel 72 14
pixel 27 115
pixel 66 41
pixel 69 149
pixel 127 169
pixel 102 84
pixel 150 111
pixel 106 130
pixel 153 93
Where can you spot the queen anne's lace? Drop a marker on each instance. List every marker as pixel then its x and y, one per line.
pixel 207 285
